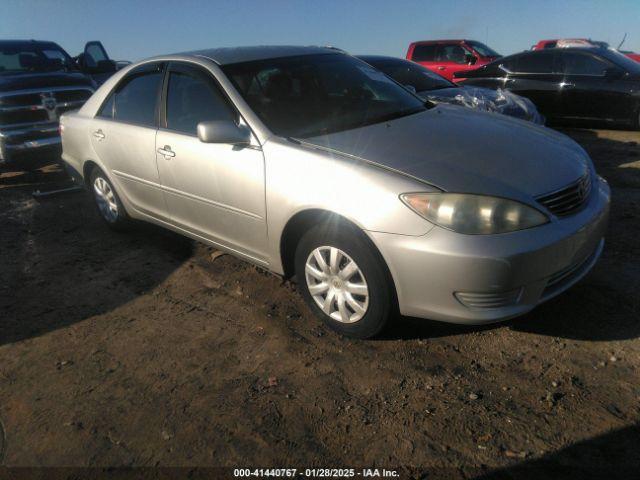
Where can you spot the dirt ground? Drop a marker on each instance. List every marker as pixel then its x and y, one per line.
pixel 138 349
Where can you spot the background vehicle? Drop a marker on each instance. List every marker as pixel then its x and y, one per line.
pixel 39 81
pixel 569 84
pixel 347 172
pixel 580 42
pixel 446 57
pixel 437 89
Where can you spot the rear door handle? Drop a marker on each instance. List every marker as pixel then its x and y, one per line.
pixel 567 85
pixel 442 68
pixel 99 134
pixel 167 152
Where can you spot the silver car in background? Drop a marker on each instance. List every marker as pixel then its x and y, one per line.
pixel 311 163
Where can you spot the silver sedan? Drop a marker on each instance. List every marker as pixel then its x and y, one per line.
pixel 311 163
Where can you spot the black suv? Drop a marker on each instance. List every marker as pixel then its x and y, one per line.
pixel 38 82
pixel 598 85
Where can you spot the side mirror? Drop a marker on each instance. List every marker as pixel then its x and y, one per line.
pixel 613 73
pixel 223 131
pixel 470 59
pixel 411 88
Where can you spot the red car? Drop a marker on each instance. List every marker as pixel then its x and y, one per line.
pixel 446 57
pixel 579 42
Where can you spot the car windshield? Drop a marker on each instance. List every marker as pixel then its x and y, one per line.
pixel 311 95
pixel 483 50
pixel 33 57
pixel 410 74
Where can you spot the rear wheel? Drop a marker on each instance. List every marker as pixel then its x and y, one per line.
pixel 107 201
pixel 343 280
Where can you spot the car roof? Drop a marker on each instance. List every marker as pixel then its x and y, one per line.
pixel 226 56
pixel 448 40
pixel 20 43
pixel 380 58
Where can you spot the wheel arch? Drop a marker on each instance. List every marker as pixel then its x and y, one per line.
pixel 303 220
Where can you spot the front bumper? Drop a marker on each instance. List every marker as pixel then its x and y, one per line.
pixel 476 279
pixel 27 144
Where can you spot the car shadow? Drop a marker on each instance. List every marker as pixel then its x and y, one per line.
pixel 62 264
pixel 614 455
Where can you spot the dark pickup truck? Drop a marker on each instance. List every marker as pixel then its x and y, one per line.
pixel 39 81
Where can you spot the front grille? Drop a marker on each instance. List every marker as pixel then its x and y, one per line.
pixel 485 301
pixel 37 106
pixel 570 199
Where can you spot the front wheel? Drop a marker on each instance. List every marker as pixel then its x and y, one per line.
pixel 343 280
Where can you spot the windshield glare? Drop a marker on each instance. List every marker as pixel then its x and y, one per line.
pixel 33 58
pixel 312 95
pixel 409 73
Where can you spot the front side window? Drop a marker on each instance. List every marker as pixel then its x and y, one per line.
pixel 193 97
pixel 583 64
pixel 424 53
pixel 313 95
pixel 135 98
pixel 453 53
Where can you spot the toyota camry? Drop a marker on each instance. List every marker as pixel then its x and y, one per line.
pixel 310 163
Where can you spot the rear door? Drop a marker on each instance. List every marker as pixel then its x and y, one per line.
pixel 536 75
pixel 123 136
pixel 215 191
pixel 426 55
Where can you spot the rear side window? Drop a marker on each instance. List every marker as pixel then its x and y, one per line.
pixel 424 53
pixel 575 63
pixel 135 99
pixel 537 62
pixel 194 97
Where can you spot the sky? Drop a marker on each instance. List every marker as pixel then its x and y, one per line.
pixel 136 29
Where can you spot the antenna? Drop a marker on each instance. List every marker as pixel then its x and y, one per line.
pixel 623 39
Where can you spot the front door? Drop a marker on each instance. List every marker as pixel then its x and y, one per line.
pixel 216 191
pixel 587 91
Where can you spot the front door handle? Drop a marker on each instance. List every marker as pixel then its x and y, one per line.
pixel 167 152
pixel 99 134
pixel 567 85
pixel 442 68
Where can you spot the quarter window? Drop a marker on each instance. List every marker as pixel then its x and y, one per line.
pixel 193 97
pixel 583 64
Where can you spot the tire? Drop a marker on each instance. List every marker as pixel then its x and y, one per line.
pixel 107 202
pixel 354 303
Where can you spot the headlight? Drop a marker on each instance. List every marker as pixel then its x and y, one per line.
pixel 473 214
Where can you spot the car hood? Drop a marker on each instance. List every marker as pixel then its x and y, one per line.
pixel 26 81
pixel 460 150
